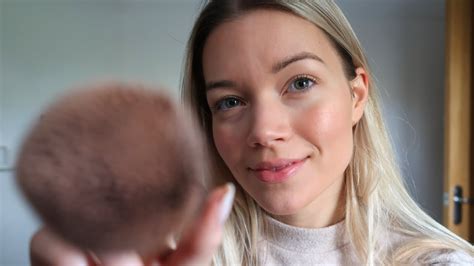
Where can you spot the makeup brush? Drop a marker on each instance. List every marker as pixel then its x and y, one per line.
pixel 114 167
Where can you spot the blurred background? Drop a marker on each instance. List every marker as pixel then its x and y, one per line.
pixel 49 46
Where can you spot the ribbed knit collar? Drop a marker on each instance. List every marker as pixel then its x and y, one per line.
pixel 305 240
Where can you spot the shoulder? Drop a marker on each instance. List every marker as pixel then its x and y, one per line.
pixel 425 250
pixel 450 257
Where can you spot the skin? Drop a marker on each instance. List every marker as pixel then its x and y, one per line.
pixel 264 109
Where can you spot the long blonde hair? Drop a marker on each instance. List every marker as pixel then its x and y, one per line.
pixel 377 200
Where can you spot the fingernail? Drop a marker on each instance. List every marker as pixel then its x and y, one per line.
pixel 121 258
pixel 227 202
pixel 171 241
pixel 74 260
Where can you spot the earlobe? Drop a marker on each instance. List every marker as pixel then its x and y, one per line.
pixel 360 93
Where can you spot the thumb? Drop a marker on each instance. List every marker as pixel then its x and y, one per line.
pixel 122 258
pixel 200 243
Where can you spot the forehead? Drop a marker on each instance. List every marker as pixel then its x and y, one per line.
pixel 263 37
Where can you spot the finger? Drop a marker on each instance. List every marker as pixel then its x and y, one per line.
pixel 200 243
pixel 47 248
pixel 165 254
pixel 132 258
pixel 122 258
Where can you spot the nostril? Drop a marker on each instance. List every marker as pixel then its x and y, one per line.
pixel 268 126
pixel 267 140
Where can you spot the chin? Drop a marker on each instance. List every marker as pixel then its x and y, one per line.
pixel 280 208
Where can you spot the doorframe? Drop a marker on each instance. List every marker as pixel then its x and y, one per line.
pixel 459 113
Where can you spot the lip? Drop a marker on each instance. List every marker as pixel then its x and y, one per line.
pixel 277 171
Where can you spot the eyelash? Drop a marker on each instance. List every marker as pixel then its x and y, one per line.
pixel 218 105
pixel 302 77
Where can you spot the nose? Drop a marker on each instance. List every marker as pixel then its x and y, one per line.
pixel 269 124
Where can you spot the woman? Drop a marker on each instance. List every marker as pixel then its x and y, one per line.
pixel 286 97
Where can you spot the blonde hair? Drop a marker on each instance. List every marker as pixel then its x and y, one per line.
pixel 377 200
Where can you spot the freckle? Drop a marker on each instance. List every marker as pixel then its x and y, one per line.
pixel 114 167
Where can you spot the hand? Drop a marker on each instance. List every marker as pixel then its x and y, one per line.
pixel 197 246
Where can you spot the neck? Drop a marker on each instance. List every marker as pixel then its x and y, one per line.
pixel 327 209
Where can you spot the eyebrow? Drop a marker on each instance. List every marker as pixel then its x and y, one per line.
pixel 294 58
pixel 220 84
pixel 276 68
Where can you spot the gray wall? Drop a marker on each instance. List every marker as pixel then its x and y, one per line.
pixel 47 46
pixel 404 40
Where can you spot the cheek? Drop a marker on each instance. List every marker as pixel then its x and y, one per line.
pixel 329 123
pixel 329 129
pixel 228 143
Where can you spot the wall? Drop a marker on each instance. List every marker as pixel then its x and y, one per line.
pixel 47 46
pixel 404 41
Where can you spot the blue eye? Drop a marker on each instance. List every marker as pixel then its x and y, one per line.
pixel 301 84
pixel 228 103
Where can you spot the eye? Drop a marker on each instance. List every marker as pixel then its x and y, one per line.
pixel 301 83
pixel 228 103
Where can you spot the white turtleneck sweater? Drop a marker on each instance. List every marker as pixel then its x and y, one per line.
pixel 289 245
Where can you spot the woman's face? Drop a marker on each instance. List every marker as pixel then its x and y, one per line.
pixel 282 110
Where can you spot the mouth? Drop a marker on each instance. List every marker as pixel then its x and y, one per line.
pixel 276 171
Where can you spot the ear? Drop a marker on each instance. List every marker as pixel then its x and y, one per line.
pixel 360 94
